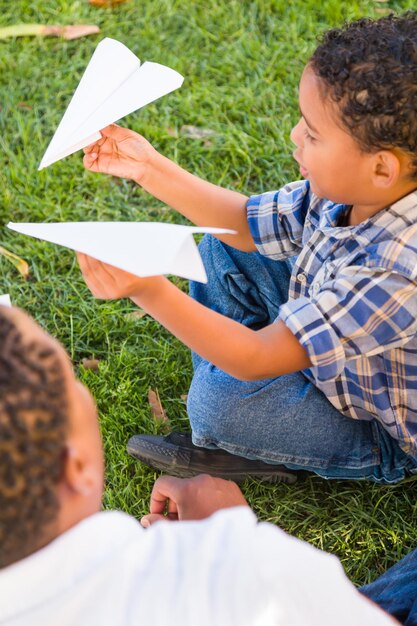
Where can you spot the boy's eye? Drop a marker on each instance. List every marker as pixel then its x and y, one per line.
pixel 308 136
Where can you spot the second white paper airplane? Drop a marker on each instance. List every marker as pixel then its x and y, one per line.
pixel 114 84
pixel 141 248
pixel 5 300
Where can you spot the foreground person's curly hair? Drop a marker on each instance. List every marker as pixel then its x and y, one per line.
pixel 369 68
pixel 33 429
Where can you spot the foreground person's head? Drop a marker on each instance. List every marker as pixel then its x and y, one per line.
pixel 51 464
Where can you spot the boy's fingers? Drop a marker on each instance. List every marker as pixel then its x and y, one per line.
pixel 81 260
pixel 92 266
pixel 116 132
pixel 166 488
pixel 94 146
pixel 91 148
pixel 90 159
pixel 87 268
pixel 148 520
pixel 91 164
pixel 161 503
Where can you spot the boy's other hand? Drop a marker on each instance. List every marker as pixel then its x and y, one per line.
pixel 109 283
pixel 191 498
pixel 120 152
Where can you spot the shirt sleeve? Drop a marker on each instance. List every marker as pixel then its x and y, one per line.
pixel 276 219
pixel 363 312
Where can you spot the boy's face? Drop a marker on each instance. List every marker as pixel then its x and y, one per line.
pixel 328 156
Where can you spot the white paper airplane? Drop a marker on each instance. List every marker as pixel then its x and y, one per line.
pixel 114 84
pixel 141 248
pixel 5 300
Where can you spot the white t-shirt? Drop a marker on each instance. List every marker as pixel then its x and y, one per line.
pixel 226 570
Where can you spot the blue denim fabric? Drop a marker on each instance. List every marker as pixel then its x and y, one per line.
pixel 278 420
pixel 396 590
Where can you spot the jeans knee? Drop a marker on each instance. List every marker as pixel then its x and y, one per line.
pixel 208 247
pixel 212 403
pixel 205 244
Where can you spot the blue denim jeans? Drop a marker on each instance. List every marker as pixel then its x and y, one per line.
pixel 396 590
pixel 284 420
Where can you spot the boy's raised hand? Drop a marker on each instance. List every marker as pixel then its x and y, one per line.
pixel 191 498
pixel 120 152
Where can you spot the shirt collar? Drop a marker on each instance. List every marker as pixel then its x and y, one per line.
pixel 394 218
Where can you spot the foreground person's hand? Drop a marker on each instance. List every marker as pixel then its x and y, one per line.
pixel 120 152
pixel 191 498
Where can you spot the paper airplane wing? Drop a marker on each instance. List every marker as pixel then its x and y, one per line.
pixel 146 84
pixel 180 265
pixel 109 66
pixel 113 85
pixel 141 248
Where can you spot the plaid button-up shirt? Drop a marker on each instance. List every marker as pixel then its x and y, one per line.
pixel 352 300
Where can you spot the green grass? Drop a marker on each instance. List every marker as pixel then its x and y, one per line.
pixel 241 60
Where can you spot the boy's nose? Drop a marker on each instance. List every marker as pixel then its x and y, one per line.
pixel 296 133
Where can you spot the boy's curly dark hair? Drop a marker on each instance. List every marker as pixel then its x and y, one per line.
pixel 369 68
pixel 33 429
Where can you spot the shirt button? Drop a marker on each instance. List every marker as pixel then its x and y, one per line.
pixel 302 278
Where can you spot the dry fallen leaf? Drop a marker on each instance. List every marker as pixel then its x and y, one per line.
pixel 90 364
pixel 30 30
pixel 157 409
pixel 106 3
pixel 195 132
pixel 135 315
pixel 75 31
pixel 19 263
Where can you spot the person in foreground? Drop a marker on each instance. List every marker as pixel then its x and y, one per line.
pixel 304 338
pixel 62 561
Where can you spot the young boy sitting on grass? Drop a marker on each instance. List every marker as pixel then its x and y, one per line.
pixel 304 338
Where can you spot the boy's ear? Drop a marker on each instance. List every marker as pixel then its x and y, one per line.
pixel 386 169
